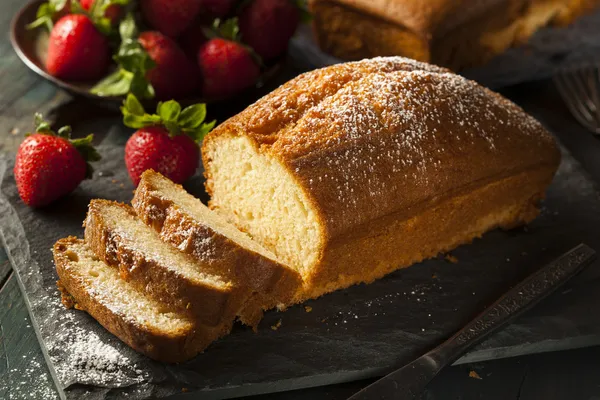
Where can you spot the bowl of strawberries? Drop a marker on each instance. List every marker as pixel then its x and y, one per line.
pixel 189 50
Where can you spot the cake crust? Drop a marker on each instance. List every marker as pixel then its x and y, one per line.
pixel 274 283
pixel 377 143
pixel 211 305
pixel 161 345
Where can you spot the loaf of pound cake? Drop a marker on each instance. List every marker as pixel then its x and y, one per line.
pixel 350 172
pixel 454 33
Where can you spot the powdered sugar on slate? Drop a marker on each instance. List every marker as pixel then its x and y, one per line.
pixel 93 360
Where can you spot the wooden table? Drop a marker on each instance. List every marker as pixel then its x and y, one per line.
pixel 24 374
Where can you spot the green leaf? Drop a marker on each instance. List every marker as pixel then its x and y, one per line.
pixel 134 115
pixel 104 25
pixel 173 127
pixel 87 151
pixel 116 84
pixel 133 105
pixel 191 117
pixel 141 87
pixel 65 132
pixel 169 111
pixel 42 125
pixel 43 17
pixel 199 133
pixel 58 4
pixel 128 28
pixel 227 29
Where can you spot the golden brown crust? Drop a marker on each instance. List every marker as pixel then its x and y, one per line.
pixel 168 347
pixel 395 242
pixel 377 143
pixel 211 305
pixel 244 267
pixel 456 34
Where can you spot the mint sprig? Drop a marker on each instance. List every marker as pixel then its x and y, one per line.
pixel 83 145
pixel 188 121
pixel 133 61
pixel 46 13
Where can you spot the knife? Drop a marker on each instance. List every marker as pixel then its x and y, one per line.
pixel 409 381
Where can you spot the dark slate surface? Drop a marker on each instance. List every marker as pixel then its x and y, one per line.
pixel 352 334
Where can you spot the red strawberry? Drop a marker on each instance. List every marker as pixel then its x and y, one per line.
pixel 113 12
pixel 268 25
pixel 171 17
pixel 174 75
pixel 77 50
pixel 217 8
pixel 165 142
pixel 227 67
pixel 153 148
pixel 49 166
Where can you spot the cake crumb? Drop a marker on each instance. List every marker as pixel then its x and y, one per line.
pixel 450 258
pixel 307 308
pixel 474 375
pixel 276 326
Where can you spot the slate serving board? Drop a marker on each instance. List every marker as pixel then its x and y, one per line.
pixel 360 332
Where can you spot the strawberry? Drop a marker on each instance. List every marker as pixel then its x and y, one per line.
pixel 174 75
pixel 77 50
pixel 217 8
pixel 268 25
pixel 112 11
pixel 167 141
pixel 50 165
pixel 227 67
pixel 170 17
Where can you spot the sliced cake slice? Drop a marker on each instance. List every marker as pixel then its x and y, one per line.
pixel 183 221
pixel 148 326
pixel 119 238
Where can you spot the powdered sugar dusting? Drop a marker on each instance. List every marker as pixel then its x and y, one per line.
pixel 389 125
pixel 92 359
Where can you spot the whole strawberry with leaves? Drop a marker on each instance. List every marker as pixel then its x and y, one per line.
pixel 227 66
pixel 167 141
pixel 77 50
pixel 151 65
pixel 50 165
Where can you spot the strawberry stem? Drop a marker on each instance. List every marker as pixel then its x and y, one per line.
pixel 134 62
pixel 46 13
pixel 84 145
pixel 188 121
